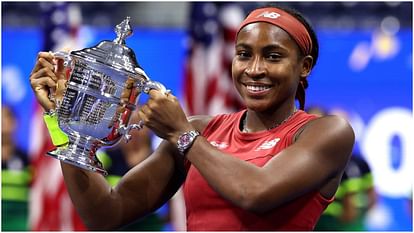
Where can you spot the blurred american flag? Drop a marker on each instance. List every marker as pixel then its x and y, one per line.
pixel 50 206
pixel 208 87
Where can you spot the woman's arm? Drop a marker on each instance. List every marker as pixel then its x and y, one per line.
pixel 142 190
pixel 319 155
pixel 314 162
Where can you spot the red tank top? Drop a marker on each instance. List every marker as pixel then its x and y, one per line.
pixel 208 211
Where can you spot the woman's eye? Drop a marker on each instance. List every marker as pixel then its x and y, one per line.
pixel 243 54
pixel 274 56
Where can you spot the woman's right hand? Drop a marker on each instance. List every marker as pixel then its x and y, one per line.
pixel 48 76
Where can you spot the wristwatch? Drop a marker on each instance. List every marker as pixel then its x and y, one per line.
pixel 186 140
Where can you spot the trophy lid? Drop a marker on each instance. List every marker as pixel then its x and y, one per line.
pixel 113 53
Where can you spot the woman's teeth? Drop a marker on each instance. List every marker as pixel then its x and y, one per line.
pixel 257 88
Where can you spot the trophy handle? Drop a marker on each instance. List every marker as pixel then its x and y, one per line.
pixel 65 56
pixel 124 130
pixel 148 85
pixel 144 86
pixel 67 59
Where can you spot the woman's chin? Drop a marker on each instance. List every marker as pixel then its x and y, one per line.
pixel 257 107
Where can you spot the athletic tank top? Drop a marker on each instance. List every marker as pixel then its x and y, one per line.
pixel 208 211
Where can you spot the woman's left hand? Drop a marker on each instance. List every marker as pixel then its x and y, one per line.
pixel 163 114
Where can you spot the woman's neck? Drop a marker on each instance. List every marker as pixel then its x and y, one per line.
pixel 258 121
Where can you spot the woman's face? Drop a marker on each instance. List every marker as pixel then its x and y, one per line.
pixel 267 66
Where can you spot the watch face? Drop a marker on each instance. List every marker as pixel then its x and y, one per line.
pixel 185 139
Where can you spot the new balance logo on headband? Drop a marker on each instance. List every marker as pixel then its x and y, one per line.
pixel 267 14
pixel 293 26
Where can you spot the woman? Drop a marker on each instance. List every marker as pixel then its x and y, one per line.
pixel 268 167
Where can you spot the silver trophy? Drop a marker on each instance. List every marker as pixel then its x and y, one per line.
pixel 102 90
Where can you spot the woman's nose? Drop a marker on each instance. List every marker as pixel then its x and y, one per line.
pixel 255 68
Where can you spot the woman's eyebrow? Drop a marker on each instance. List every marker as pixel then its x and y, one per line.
pixel 274 47
pixel 269 47
pixel 242 45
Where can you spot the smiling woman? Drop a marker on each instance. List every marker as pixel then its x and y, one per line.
pixel 272 45
pixel 249 170
pixel 298 29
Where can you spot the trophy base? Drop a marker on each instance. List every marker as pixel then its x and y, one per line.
pixel 87 162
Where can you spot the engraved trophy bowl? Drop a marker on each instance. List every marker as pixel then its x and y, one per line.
pixel 102 91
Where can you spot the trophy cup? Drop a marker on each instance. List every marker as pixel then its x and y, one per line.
pixel 102 90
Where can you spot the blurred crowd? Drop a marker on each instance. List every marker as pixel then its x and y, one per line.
pixel 15 177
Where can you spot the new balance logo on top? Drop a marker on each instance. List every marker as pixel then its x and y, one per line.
pixel 219 145
pixel 267 14
pixel 268 144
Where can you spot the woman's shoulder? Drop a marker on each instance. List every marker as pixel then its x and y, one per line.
pixel 334 121
pixel 335 126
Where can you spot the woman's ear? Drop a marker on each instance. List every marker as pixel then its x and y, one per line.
pixel 307 63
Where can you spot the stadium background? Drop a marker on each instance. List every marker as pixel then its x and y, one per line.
pixel 365 69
